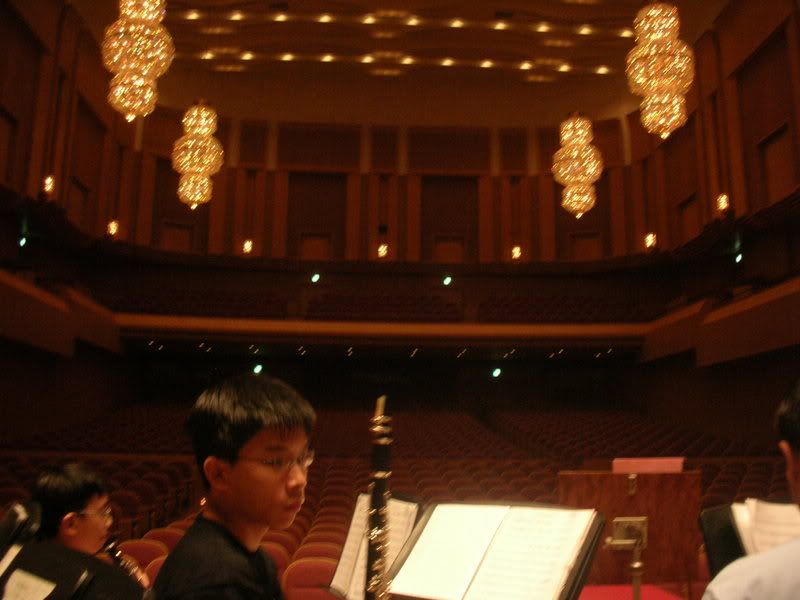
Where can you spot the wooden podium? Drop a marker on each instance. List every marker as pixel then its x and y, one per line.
pixel 671 503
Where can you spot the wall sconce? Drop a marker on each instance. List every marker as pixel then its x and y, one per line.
pixel 247 247
pixel 516 253
pixel 723 203
pixel 112 228
pixel 650 241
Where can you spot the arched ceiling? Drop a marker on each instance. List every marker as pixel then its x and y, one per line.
pixel 495 62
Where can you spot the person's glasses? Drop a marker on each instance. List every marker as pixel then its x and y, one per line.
pixel 284 465
pixel 107 513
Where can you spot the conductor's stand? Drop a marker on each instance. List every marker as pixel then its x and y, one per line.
pixel 39 570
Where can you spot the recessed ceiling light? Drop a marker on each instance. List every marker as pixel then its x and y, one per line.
pixel 543 27
pixel 585 30
pixel 539 78
pixel 368 59
pixel 386 72
pixel 287 57
pixel 626 33
pixel 525 66
pixel 192 15
pixel 281 17
pixel 246 56
pixel 207 55
pixel 486 64
pixel 565 68
pixel 216 30
pixel 229 68
pixel 558 43
pixel 368 20
pixel 236 15
pixel 412 21
pixel 327 58
pixel 500 25
pixel 447 62
pixel 602 70
pixel 408 60
pixel 456 23
pixel 383 35
pixel 325 19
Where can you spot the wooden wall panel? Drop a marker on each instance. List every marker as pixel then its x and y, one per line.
pixel 317 208
pixel 594 225
pixel 85 171
pixel 20 59
pixel 513 150
pixel 681 184
pixel 384 149
pixel 253 143
pixel 449 215
pixel 765 94
pixel 454 150
pixel 743 26
pixel 319 147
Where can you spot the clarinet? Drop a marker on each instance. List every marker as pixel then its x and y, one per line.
pixel 127 564
pixel 377 584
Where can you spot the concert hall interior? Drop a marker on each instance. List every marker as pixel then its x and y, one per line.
pixel 387 219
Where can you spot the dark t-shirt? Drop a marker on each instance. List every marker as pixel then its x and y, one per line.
pixel 210 564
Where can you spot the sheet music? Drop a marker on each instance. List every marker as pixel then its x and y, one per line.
pixel 448 551
pixel 351 573
pixel 22 585
pixel 531 555
pixel 773 524
pixel 744 525
pixel 350 551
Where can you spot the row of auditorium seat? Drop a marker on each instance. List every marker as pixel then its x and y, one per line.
pixel 527 308
pixel 567 436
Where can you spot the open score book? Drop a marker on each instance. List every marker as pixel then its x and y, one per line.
pixel 762 525
pixel 351 572
pixel 476 552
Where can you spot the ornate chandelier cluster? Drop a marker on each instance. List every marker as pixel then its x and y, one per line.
pixel 197 155
pixel 660 68
pixel 138 50
pixel 577 165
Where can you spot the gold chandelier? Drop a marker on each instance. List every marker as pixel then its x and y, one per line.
pixel 660 68
pixel 577 165
pixel 197 155
pixel 138 50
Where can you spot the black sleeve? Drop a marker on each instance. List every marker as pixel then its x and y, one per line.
pixel 217 593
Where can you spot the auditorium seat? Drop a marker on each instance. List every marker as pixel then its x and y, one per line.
pixel 154 568
pixel 279 555
pixel 143 551
pixel 318 549
pixel 309 579
pixel 167 535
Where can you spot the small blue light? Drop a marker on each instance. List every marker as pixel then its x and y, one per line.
pixel 257 369
pixel 315 278
pixel 447 280
pixel 22 241
pixel 496 373
pixel 738 258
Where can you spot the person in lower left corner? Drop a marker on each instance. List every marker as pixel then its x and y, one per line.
pixel 76 511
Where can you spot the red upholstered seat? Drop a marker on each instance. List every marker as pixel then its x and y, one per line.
pixel 318 549
pixel 169 536
pixel 309 578
pixel 144 551
pixel 278 554
pixel 154 567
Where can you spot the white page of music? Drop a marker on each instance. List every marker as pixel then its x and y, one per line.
pixel 448 551
pixel 531 555
pixel 773 523
pixel 400 520
pixel 744 525
pixel 343 578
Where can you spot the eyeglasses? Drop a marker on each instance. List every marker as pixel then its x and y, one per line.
pixel 284 465
pixel 107 513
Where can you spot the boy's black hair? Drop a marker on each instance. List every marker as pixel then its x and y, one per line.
pixel 228 414
pixel 787 418
pixel 63 490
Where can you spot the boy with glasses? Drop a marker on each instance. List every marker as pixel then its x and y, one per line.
pixel 250 436
pixel 75 508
